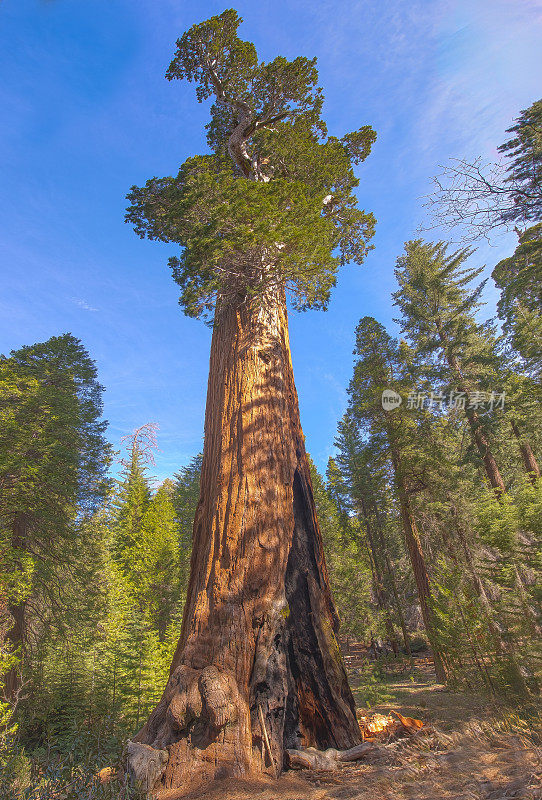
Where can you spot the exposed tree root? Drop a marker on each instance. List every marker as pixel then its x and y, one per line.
pixel 327 760
pixel 145 765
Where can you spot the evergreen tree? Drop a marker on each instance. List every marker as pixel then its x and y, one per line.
pixel 185 497
pixel 145 542
pixel 438 303
pixel 347 561
pixel 379 367
pixel 131 501
pixel 524 166
pixel 474 625
pixel 519 278
pixel 270 210
pixel 361 483
pixel 160 564
pixel 52 470
pixel 522 417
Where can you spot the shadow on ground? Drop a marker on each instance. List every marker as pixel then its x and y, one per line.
pixel 472 750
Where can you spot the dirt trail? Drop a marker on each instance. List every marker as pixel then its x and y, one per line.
pixel 474 750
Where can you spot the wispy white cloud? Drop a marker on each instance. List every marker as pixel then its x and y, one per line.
pixel 83 304
pixel 436 78
pixel 486 67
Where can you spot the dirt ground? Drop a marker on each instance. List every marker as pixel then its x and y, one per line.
pixel 469 749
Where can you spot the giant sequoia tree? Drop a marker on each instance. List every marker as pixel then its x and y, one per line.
pixel 270 210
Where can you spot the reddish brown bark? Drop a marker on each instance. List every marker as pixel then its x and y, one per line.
pixel 259 624
pixel 482 445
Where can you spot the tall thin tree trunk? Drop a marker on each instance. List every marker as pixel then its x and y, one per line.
pixel 257 655
pixel 139 688
pixel 480 439
pixel 531 616
pixel 529 460
pixel 486 454
pixel 17 633
pixel 502 641
pixel 393 585
pixel 115 681
pixel 477 657
pixel 381 600
pixel 378 582
pixel 417 560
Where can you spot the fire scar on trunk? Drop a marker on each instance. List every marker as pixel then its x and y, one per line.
pixel 257 670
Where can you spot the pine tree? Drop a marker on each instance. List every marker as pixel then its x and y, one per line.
pixel 438 302
pixel 130 504
pixel 475 629
pixel 519 278
pixel 378 367
pixel 522 417
pixel 159 560
pixel 361 484
pixel 145 544
pixel 524 167
pixel 185 497
pixel 52 470
pixel 349 569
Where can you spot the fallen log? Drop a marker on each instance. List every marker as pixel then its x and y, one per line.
pixel 326 760
pixel 356 752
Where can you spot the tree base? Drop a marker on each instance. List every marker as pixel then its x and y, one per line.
pixel 203 725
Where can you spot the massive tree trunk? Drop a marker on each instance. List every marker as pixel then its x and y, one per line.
pixel 257 668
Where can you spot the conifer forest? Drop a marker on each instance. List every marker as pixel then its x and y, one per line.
pixel 265 620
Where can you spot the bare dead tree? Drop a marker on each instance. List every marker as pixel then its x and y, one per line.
pixel 143 442
pixel 483 198
pixel 480 200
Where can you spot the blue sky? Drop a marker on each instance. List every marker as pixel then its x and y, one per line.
pixel 87 113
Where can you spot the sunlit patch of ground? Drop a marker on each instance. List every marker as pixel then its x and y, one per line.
pixel 473 750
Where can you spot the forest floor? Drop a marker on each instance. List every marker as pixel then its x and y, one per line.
pixel 469 748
